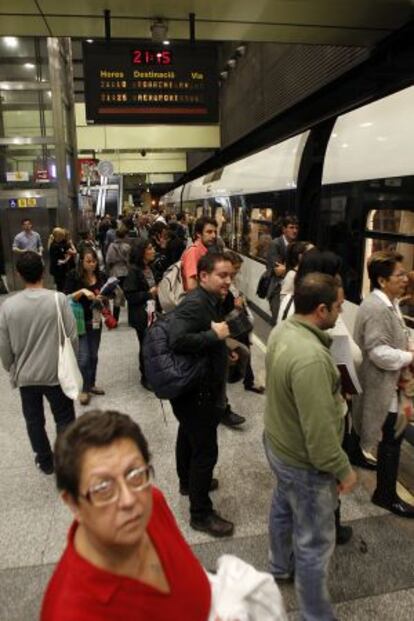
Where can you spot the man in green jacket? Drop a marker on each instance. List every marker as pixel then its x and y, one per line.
pixel 303 434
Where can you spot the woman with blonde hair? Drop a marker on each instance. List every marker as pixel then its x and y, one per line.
pixel 61 252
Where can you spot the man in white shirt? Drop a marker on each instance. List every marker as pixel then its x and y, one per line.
pixel 27 239
pixel 382 337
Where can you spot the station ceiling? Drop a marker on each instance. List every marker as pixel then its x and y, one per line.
pixel 323 22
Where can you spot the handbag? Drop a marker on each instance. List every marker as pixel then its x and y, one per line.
pixel 109 319
pixel 263 285
pixel 69 375
pixel 79 314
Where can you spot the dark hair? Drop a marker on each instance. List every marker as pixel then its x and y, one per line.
pixel 289 220
pixel 82 254
pixel 94 429
pixel 293 252
pixel 137 252
pixel 173 227
pixel 200 223
pixel 84 235
pixel 157 228
pixel 316 261
pixel 381 264
pixel 30 266
pixel 26 220
pixel 315 289
pixel 180 216
pixel 233 257
pixel 207 263
pixel 128 222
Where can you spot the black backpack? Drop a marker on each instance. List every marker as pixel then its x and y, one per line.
pixel 169 374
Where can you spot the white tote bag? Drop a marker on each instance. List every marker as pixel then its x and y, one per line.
pixel 69 375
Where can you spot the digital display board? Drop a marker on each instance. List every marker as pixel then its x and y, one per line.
pixel 143 82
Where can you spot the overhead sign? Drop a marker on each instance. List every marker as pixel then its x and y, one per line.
pixel 17 176
pixel 24 202
pixel 42 175
pixel 142 82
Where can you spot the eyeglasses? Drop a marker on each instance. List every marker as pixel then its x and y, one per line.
pixel 107 491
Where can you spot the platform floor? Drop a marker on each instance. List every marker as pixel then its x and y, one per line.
pixel 371 578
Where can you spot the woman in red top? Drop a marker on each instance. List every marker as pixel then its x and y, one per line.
pixel 125 557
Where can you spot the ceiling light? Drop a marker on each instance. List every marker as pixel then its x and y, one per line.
pixel 89 40
pixel 224 75
pixel 166 42
pixel 231 63
pixel 11 42
pixel 344 145
pixel 367 124
pixel 29 66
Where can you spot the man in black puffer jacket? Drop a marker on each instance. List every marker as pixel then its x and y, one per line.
pixel 197 326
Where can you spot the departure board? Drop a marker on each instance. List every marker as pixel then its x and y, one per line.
pixel 142 82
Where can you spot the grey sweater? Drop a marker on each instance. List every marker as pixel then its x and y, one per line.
pixel 376 324
pixel 29 336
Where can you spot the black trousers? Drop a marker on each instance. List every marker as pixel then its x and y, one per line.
pixel 32 402
pixel 140 335
pixel 248 379
pixel 196 448
pixel 388 460
pixel 117 309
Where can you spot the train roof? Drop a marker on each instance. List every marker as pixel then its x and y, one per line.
pixel 372 142
pixel 272 169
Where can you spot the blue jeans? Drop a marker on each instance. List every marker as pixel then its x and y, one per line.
pixel 88 357
pixel 302 533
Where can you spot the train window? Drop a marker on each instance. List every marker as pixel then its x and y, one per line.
pixel 391 221
pixel 393 224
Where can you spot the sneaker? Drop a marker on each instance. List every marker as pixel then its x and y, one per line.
pixel 343 535
pixel 184 491
pixel 214 525
pixel 84 398
pixel 95 390
pixel 231 419
pixel 45 466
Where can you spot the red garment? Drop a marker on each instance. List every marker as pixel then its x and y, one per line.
pixel 190 259
pixel 79 591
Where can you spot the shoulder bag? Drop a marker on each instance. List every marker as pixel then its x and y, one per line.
pixel 263 285
pixel 69 375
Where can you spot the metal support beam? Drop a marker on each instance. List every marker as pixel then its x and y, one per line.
pixel 107 18
pixel 191 17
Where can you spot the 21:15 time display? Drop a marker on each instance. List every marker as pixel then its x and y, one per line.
pixel 150 57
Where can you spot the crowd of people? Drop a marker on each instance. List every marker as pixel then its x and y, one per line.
pixel 316 427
